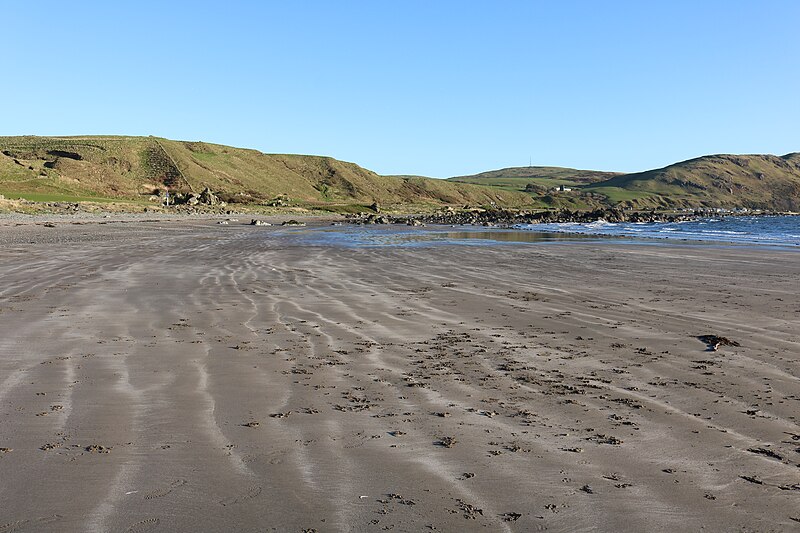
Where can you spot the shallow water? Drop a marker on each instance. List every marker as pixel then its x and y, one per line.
pixel 783 231
pixel 761 230
pixel 404 236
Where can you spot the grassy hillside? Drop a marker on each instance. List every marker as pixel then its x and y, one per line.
pixel 518 178
pixel 540 183
pixel 731 181
pixel 132 168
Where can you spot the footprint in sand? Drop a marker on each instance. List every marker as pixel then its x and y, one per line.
pixel 163 491
pixel 20 524
pixel 249 494
pixel 14 526
pixel 142 526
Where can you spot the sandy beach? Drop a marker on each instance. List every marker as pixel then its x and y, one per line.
pixel 188 376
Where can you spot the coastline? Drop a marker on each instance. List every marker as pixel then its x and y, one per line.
pixel 222 377
pixel 509 217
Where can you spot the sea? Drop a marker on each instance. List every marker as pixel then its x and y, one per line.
pixel 777 231
pixel 751 230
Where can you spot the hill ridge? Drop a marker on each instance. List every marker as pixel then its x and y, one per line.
pixel 752 181
pixel 755 181
pixel 134 168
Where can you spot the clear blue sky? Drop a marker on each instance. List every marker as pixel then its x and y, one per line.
pixel 431 88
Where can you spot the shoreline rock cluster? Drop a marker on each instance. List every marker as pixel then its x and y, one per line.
pixel 510 217
pixel 207 197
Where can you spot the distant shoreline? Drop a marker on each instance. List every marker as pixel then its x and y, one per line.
pixel 514 217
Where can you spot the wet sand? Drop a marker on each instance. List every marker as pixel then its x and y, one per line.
pixel 194 377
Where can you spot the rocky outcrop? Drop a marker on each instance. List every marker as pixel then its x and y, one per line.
pixel 207 197
pixel 510 217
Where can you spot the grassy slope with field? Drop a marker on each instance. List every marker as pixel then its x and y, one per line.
pixel 132 168
pixel 540 182
pixel 519 177
pixel 730 181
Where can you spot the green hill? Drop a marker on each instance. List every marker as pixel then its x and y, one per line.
pixel 730 181
pixel 522 178
pixel 541 184
pixel 133 168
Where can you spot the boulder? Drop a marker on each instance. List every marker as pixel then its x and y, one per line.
pixel 209 198
pixel 281 200
pixel 376 219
